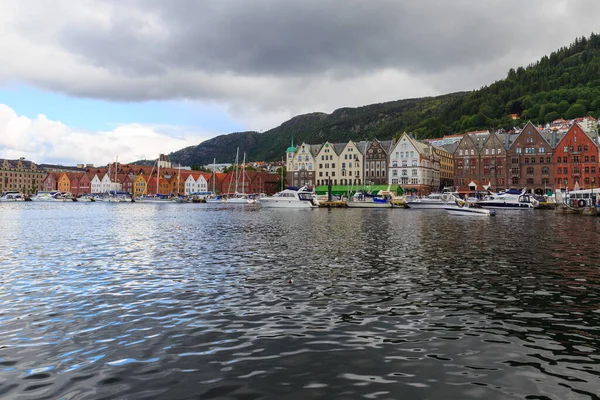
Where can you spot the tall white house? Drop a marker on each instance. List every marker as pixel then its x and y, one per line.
pixel 414 165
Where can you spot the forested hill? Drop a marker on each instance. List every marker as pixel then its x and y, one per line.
pixel 564 84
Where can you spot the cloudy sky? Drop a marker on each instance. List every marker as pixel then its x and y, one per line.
pixel 88 80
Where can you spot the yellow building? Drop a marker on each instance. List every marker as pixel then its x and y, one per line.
pixel 64 183
pixel 446 166
pixel 139 186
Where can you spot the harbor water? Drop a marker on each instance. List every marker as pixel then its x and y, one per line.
pixel 177 301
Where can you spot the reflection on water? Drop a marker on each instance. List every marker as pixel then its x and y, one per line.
pixel 180 301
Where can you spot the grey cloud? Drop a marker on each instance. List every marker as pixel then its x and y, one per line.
pixel 287 56
pixel 290 38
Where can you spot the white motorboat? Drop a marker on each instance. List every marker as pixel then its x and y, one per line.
pixel 240 198
pixel 361 200
pixel 432 201
pixel 469 209
pixel 216 199
pixel 12 196
pixel 509 200
pixel 290 198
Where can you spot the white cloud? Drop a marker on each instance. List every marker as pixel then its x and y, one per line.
pixel 46 141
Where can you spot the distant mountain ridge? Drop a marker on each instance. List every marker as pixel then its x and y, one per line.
pixel 565 84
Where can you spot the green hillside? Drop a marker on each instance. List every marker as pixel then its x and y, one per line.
pixel 564 84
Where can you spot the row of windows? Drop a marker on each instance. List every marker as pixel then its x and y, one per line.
pixel 576 159
pixel 571 149
pixel 576 170
pixel 566 181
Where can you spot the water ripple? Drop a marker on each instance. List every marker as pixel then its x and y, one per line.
pixel 151 301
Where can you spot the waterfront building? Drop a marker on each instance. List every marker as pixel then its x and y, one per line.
pixel 377 161
pixel 446 164
pixel 192 182
pixel 216 182
pixel 530 161
pixel 139 185
pixel 64 183
pixel 413 165
pixel 96 182
pixel 264 182
pixel 351 158
pixel 50 181
pixel 125 181
pixel 576 159
pixel 466 164
pixel 327 160
pixel 301 165
pixel 20 175
pixel 492 163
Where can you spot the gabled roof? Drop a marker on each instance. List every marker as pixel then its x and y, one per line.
pixel 339 147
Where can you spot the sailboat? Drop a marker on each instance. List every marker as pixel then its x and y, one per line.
pixel 156 198
pixel 111 195
pixel 214 198
pixel 240 198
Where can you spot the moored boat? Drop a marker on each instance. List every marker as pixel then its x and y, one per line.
pixel 469 209
pixel 12 196
pixel 509 200
pixel 290 198
pixel 364 200
pixel 432 201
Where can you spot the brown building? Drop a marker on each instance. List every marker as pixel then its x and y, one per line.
pixel 492 163
pixel 377 161
pixel 530 161
pixel 20 175
pixel 577 161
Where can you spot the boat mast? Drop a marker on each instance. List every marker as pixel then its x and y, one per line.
pixel 158 176
pixel 214 176
pixel 178 177
pixel 237 154
pixel 243 169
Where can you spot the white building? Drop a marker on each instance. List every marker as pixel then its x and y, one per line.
pixel 194 183
pixel 414 165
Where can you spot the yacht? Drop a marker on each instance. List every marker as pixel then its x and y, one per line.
pixel 363 200
pixel 437 201
pixel 470 209
pixel 290 198
pixel 509 200
pixel 12 196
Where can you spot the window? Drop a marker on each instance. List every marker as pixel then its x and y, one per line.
pixel 526 160
pixel 559 170
pixel 564 159
pixel 460 153
pixel 530 181
pixel 586 158
pixel 518 150
pixel 541 160
pixel 414 172
pixel 566 170
pixel 593 158
pixel 566 149
pixel 529 170
pixel 545 171
pixel 404 172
